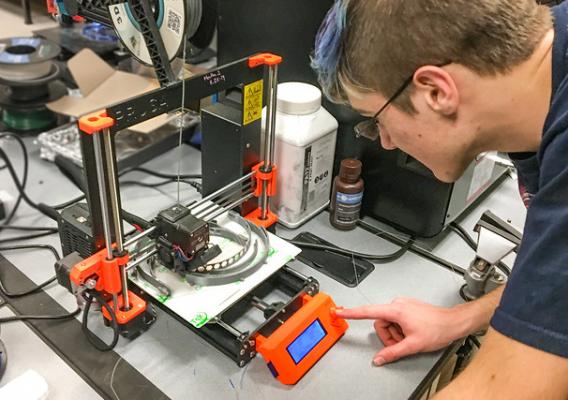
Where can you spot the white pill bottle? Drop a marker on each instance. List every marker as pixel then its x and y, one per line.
pixel 304 152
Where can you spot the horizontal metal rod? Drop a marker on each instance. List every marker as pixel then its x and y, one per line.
pixel 151 246
pixel 139 236
pixel 227 202
pixel 230 206
pixel 234 331
pixel 220 191
pixel 140 260
pixel 244 190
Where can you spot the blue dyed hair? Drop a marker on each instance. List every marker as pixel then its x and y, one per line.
pixel 329 48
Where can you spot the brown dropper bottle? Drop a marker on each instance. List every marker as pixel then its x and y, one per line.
pixel 347 195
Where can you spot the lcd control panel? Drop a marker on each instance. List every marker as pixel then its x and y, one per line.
pixel 297 345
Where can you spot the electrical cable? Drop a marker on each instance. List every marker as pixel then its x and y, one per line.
pixel 91 337
pixel 70 202
pixel 44 209
pixel 27 237
pixel 162 183
pixel 27 228
pixel 504 268
pixel 24 175
pixel 378 258
pixel 39 287
pixel 161 174
pixel 40 317
pixel 413 248
pixel 462 293
pixel 463 234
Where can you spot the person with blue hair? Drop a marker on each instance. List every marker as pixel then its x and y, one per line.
pixel 444 81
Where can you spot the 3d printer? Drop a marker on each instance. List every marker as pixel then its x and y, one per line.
pixel 186 239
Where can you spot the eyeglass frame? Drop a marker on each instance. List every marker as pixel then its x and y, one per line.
pixel 359 128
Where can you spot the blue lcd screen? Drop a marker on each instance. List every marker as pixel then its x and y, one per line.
pixel 307 340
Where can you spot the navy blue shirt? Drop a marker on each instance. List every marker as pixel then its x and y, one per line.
pixel 534 307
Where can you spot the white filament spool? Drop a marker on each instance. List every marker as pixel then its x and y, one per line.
pixel 26 58
pixel 176 20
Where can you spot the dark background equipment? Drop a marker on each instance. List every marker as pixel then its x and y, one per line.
pixel 402 192
pixel 398 189
pixel 252 26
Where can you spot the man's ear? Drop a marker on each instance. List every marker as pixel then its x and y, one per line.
pixel 438 89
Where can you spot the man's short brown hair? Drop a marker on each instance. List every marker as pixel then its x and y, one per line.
pixel 380 43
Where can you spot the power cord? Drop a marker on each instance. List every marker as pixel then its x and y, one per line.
pixel 463 234
pixel 377 258
pixel 24 175
pixel 44 209
pixel 161 174
pixel 413 248
pixel 40 317
pixel 162 183
pixel 39 287
pixel 27 237
pixel 91 337
pixel 27 228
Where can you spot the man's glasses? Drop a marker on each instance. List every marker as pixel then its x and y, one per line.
pixel 369 128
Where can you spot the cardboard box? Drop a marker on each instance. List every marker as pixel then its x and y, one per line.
pixel 101 86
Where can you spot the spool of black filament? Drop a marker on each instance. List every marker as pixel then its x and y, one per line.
pixel 28 80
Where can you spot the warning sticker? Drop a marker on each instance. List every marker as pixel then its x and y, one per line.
pixel 252 102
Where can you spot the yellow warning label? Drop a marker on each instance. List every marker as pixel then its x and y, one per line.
pixel 252 102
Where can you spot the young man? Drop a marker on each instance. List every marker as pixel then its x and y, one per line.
pixel 445 80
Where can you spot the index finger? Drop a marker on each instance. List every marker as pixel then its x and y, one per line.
pixel 377 311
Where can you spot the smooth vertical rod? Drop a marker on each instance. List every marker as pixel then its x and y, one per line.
pixel 113 189
pixel 111 178
pixel 269 134
pixel 97 145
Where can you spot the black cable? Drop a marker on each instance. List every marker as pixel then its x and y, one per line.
pixel 134 220
pixel 463 234
pixel 27 237
pixel 504 268
pixel 24 174
pixel 46 210
pixel 70 202
pixel 413 248
pixel 161 174
pixel 39 287
pixel 27 228
pixel 39 317
pixel 91 337
pixel 379 258
pixel 162 183
pixel 462 293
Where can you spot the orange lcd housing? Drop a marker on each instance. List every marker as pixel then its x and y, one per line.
pixel 292 349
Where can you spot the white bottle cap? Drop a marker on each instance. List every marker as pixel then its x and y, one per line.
pixel 298 98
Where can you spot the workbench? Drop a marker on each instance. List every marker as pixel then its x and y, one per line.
pixel 169 361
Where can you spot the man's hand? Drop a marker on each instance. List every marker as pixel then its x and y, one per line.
pixel 408 326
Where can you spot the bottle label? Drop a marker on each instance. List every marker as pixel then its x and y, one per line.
pixel 347 207
pixel 316 177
